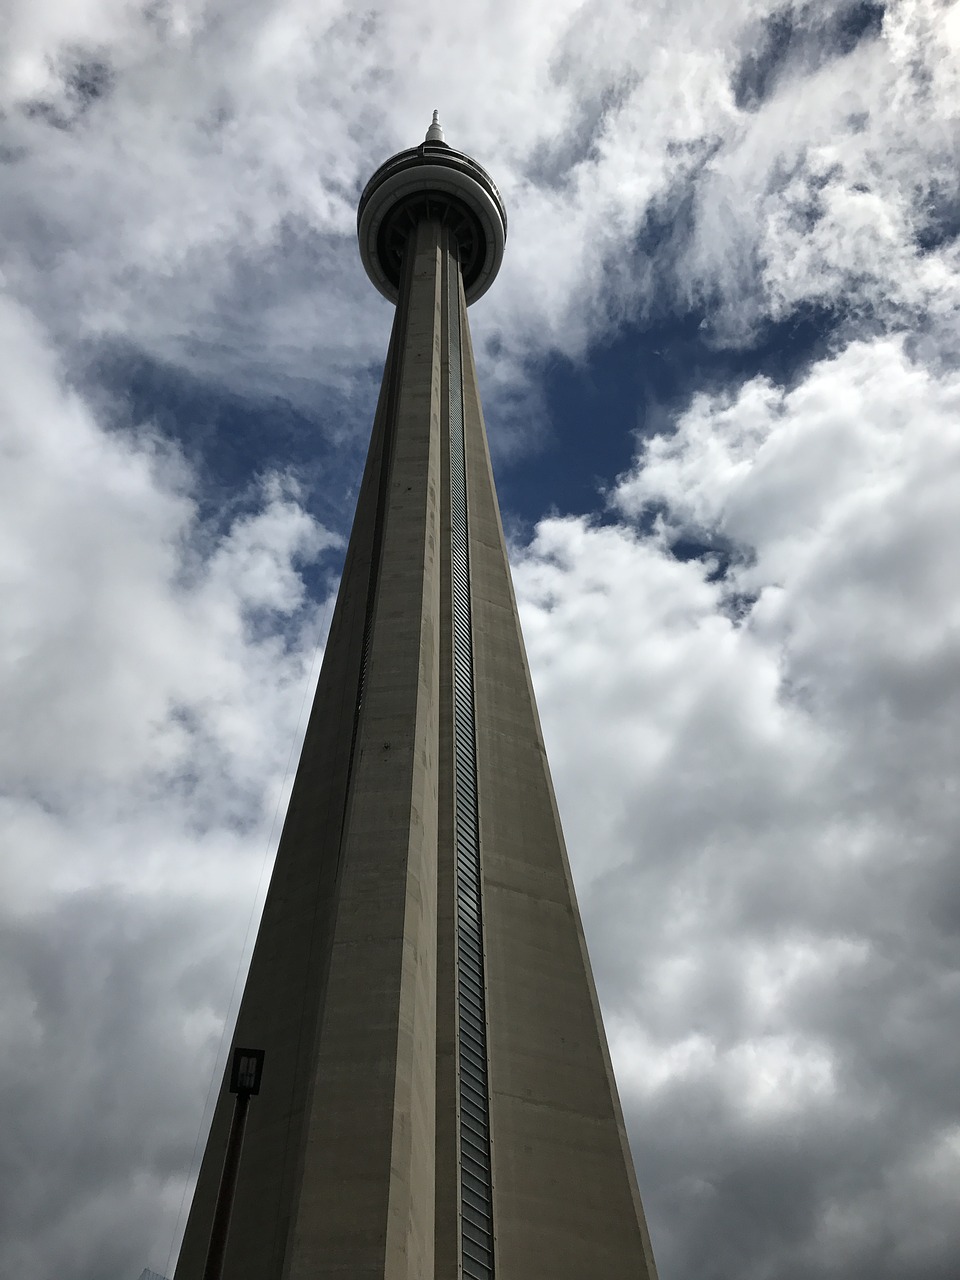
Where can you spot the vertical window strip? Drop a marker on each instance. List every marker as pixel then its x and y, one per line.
pixel 475 1178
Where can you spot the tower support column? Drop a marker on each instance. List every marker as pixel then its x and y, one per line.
pixel 366 1196
pixel 339 1179
pixel 439 1102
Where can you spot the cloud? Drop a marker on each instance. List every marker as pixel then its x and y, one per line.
pixel 746 661
pixel 834 192
pixel 761 807
pixel 202 203
pixel 153 669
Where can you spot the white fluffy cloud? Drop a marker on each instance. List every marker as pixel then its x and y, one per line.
pixel 149 699
pixel 185 176
pixel 758 768
pixel 746 663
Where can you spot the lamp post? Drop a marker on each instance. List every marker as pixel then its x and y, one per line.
pixel 245 1074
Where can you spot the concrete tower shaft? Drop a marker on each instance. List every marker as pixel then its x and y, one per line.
pixel 437 1098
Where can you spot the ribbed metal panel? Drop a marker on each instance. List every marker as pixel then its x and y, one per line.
pixel 476 1196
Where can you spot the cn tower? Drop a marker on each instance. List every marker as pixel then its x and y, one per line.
pixel 437 1098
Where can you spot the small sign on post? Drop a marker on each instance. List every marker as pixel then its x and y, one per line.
pixel 246 1071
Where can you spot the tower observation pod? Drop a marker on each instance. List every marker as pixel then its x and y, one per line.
pixel 432 181
pixel 437 1100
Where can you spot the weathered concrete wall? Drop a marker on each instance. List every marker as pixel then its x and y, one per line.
pixel 350 1167
pixel 337 1176
pixel 566 1204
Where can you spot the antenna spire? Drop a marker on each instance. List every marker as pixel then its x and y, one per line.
pixel 435 132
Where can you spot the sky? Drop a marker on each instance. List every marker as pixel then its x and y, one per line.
pixel 722 388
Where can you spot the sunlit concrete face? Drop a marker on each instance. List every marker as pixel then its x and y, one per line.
pixel 437 1097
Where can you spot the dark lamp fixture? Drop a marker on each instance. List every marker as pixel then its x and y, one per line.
pixel 246 1071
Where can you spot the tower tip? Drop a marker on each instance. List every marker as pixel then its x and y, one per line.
pixel 435 132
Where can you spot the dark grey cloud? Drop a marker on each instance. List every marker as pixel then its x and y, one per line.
pixel 101 985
